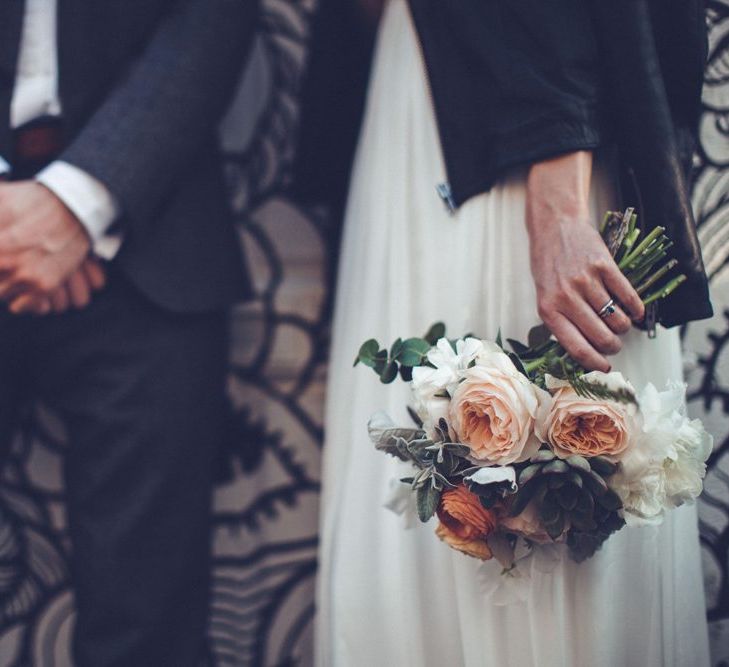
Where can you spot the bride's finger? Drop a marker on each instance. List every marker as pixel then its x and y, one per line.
pixel 576 345
pixel 623 292
pixel 598 297
pixel 592 327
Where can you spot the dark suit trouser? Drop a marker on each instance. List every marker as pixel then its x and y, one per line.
pixel 140 391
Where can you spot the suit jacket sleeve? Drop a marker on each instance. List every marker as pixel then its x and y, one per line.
pixel 154 122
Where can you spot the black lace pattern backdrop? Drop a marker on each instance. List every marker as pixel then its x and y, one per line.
pixel 265 533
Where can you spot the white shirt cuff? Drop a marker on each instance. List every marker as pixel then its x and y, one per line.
pixel 4 166
pixel 89 200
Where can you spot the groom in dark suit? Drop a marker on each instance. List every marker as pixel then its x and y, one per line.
pixel 118 258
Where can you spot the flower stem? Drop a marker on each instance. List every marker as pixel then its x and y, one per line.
pixel 652 280
pixel 663 292
pixel 652 236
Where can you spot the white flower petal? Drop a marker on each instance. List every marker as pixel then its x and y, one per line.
pixel 493 475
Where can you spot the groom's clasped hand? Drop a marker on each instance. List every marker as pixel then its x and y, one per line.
pixel 45 265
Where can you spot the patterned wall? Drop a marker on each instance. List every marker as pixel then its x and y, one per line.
pixel 707 343
pixel 266 519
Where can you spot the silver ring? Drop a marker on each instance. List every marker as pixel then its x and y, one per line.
pixel 608 309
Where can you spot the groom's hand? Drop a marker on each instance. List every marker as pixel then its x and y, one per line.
pixel 75 293
pixel 42 245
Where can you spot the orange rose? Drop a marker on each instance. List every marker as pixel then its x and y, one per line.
pixel 465 523
pixel 588 427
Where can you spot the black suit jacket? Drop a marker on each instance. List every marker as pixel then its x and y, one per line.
pixel 143 85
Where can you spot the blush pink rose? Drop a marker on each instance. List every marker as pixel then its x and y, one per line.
pixel 586 426
pixel 493 411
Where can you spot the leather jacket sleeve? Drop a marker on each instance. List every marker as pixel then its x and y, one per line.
pixel 512 83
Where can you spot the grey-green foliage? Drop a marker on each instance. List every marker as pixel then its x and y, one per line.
pixel 437 460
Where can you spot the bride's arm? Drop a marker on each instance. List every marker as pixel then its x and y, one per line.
pixel 572 269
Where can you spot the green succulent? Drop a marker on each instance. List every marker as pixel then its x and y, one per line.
pixel 583 544
pixel 571 497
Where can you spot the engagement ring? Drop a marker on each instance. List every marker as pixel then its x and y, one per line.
pixel 607 310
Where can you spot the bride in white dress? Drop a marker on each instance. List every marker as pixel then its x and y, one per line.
pixel 391 596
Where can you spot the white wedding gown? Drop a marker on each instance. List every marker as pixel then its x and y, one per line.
pixel 390 596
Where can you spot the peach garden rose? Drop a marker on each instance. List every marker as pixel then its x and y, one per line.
pixel 573 424
pixel 494 408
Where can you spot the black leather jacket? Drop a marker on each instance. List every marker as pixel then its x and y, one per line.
pixel 515 82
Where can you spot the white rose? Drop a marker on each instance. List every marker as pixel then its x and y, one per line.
pixel 685 473
pixel 642 490
pixel 432 386
pixel 666 466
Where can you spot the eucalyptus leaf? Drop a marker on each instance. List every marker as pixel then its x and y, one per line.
pixel 410 358
pixel 380 361
pixel 417 344
pixel 389 372
pixel 435 333
pixel 368 353
pixel 395 349
pixel 412 352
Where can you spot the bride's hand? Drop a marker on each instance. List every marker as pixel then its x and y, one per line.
pixel 573 271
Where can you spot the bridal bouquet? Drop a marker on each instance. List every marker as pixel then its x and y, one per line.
pixel 517 449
